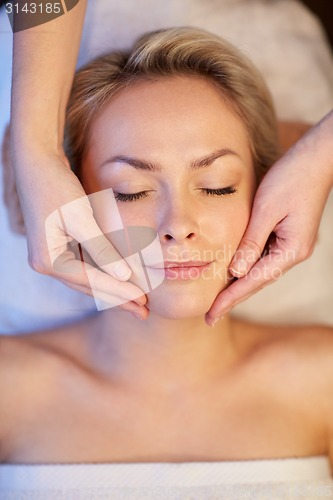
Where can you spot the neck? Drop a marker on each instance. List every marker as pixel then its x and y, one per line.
pixel 160 353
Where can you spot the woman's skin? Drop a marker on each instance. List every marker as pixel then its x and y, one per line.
pixel 116 389
pixel 43 67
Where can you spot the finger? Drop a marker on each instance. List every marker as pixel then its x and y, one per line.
pixel 253 242
pixel 130 306
pixel 101 217
pixel 266 270
pixel 76 221
pixel 80 288
pixel 76 272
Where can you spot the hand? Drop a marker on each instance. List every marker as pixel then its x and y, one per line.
pixel 282 230
pixel 51 185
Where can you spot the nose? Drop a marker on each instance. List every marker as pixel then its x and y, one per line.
pixel 178 223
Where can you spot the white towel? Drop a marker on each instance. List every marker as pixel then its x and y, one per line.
pixel 287 478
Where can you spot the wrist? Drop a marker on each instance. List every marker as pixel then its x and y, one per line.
pixel 40 135
pixel 33 143
pixel 315 150
pixel 323 145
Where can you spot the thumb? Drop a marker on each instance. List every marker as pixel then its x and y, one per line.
pixel 253 243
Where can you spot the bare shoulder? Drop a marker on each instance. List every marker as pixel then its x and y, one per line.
pixel 307 340
pixel 22 359
pixel 312 344
pixel 38 347
pixel 296 363
pixel 303 353
pixel 15 376
pixel 303 340
pixel 29 368
pixel 24 356
pixel 318 346
pixel 16 355
pixel 20 350
pixel 306 355
pixel 309 348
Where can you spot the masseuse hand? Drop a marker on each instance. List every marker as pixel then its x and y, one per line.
pixel 47 243
pixel 285 217
pixel 44 60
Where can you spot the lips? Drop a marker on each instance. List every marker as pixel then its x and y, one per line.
pixel 181 264
pixel 183 270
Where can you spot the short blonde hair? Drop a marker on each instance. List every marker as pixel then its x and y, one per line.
pixel 169 52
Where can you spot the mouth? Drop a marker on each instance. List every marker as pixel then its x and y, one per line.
pixel 184 264
pixel 183 270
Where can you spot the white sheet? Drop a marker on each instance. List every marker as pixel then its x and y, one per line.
pixel 287 478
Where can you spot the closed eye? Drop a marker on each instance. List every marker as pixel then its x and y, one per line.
pixel 144 194
pixel 131 197
pixel 220 191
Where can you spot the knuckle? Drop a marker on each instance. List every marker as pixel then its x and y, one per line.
pixel 102 256
pixel 262 205
pixel 39 262
pixel 252 246
pixel 304 252
pixel 310 251
pixel 37 265
pixel 231 295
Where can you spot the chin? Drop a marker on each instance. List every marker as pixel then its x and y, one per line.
pixel 179 302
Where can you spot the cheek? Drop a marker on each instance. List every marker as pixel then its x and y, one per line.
pixel 240 217
pixel 236 233
pixel 131 215
pixel 227 230
pixel 229 226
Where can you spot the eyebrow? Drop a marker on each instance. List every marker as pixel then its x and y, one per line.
pixel 204 161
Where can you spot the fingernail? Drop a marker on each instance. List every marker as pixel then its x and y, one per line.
pixel 122 271
pixel 141 301
pixel 215 320
pixel 239 267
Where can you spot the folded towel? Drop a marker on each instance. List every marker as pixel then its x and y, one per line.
pixel 287 478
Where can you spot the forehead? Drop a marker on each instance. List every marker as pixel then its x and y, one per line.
pixel 179 113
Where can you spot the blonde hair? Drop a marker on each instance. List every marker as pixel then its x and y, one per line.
pixel 168 52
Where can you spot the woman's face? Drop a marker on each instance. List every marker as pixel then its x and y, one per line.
pixel 178 160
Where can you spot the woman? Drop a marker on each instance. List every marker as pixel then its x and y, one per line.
pixel 182 129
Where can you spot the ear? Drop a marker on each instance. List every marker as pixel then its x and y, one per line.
pixel 10 195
